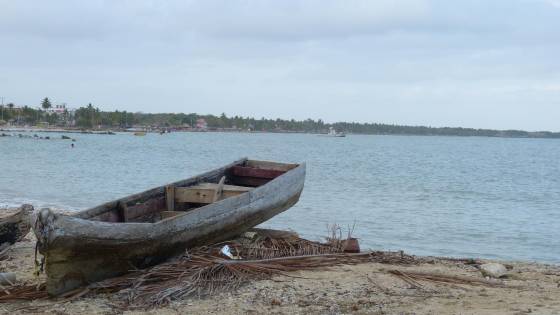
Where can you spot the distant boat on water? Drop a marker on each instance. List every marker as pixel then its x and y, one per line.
pixel 140 133
pixel 334 133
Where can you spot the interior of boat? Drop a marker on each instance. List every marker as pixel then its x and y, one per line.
pixel 177 198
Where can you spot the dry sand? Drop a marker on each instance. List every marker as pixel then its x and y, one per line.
pixel 358 289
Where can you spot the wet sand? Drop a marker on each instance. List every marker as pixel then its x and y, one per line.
pixel 367 288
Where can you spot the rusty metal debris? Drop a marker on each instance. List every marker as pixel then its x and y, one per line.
pixel 351 245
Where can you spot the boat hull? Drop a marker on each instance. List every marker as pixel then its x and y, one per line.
pixel 78 251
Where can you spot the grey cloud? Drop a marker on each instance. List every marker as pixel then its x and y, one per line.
pixel 470 63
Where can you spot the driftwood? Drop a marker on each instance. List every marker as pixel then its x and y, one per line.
pixel 14 226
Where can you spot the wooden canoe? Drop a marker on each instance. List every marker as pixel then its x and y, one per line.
pixel 146 228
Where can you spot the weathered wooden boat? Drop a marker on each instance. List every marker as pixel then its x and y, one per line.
pixel 149 227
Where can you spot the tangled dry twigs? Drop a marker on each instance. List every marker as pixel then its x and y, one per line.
pixel 413 278
pixel 204 271
pixel 25 292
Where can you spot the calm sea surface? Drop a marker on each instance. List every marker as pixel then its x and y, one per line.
pixel 452 196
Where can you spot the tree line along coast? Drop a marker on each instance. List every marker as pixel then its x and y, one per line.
pixel 91 117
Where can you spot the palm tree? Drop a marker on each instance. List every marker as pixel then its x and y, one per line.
pixel 46 104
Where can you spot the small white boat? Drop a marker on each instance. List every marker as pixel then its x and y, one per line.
pixel 334 133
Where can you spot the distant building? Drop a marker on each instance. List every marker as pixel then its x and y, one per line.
pixel 66 116
pixel 14 107
pixel 56 109
pixel 59 109
pixel 201 124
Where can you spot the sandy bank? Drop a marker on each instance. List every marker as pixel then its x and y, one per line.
pixel 361 289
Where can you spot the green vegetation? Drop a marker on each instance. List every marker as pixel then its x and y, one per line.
pixel 89 117
pixel 28 116
pixel 46 104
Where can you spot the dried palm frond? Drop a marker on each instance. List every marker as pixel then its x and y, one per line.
pixel 204 270
pixel 263 248
pixel 24 292
pixel 198 275
pixel 412 277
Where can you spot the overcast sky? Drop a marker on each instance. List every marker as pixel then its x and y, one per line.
pixel 478 63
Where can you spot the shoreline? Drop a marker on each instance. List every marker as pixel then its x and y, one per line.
pixel 16 204
pixel 113 131
pixel 365 288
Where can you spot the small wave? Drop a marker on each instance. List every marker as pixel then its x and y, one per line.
pixel 37 204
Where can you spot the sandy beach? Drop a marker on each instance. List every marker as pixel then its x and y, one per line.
pixel 367 288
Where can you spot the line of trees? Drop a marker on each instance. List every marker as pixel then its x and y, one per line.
pixel 91 117
pixel 120 119
pixel 319 126
pixel 25 115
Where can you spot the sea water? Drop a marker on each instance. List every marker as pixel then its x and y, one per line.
pixel 453 196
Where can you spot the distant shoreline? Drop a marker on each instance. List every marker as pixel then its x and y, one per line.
pixel 112 131
pixel 90 119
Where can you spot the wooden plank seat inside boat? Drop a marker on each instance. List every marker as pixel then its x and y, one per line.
pixel 206 192
pixel 176 201
pixel 200 194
